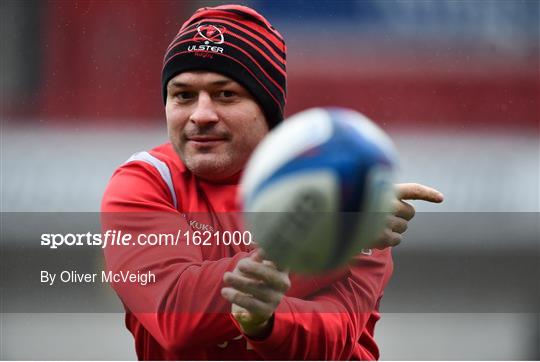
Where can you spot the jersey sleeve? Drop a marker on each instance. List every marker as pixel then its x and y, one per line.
pixel 336 323
pixel 183 308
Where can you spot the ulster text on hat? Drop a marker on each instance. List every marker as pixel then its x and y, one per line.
pixel 205 48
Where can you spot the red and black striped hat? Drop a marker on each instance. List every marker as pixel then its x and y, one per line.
pixel 239 43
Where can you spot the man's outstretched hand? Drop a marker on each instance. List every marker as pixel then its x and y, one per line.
pixel 403 212
pixel 255 289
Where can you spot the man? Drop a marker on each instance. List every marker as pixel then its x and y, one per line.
pixel 224 89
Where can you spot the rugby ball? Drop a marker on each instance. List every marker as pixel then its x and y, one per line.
pixel 317 189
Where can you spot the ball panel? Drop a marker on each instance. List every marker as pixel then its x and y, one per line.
pixel 366 130
pixel 294 219
pixel 377 204
pixel 284 143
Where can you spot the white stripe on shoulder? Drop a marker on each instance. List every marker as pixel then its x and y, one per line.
pixel 160 166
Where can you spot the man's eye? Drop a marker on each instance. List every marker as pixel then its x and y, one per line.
pixel 184 96
pixel 226 94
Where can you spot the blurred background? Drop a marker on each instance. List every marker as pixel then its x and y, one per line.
pixel 455 83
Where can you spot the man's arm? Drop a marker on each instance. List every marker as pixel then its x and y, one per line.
pixel 326 325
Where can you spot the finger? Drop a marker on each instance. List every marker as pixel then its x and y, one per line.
pixel 414 191
pixel 250 303
pixel 258 255
pixel 261 257
pixel 388 239
pixel 275 266
pixel 269 263
pixel 250 286
pixel 240 313
pixel 397 224
pixel 404 210
pixel 272 277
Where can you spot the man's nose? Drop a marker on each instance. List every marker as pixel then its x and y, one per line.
pixel 204 111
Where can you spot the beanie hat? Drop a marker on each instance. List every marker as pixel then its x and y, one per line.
pixel 239 43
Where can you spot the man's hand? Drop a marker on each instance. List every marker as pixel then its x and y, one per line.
pixel 397 223
pixel 255 289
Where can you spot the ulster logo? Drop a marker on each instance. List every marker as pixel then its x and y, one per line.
pixel 209 34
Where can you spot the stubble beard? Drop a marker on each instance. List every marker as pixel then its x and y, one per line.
pixel 213 165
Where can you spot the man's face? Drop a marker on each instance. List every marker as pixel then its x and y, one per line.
pixel 213 123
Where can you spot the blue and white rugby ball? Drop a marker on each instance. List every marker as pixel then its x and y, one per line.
pixel 317 189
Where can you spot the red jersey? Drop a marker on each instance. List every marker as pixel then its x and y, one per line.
pixel 182 314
